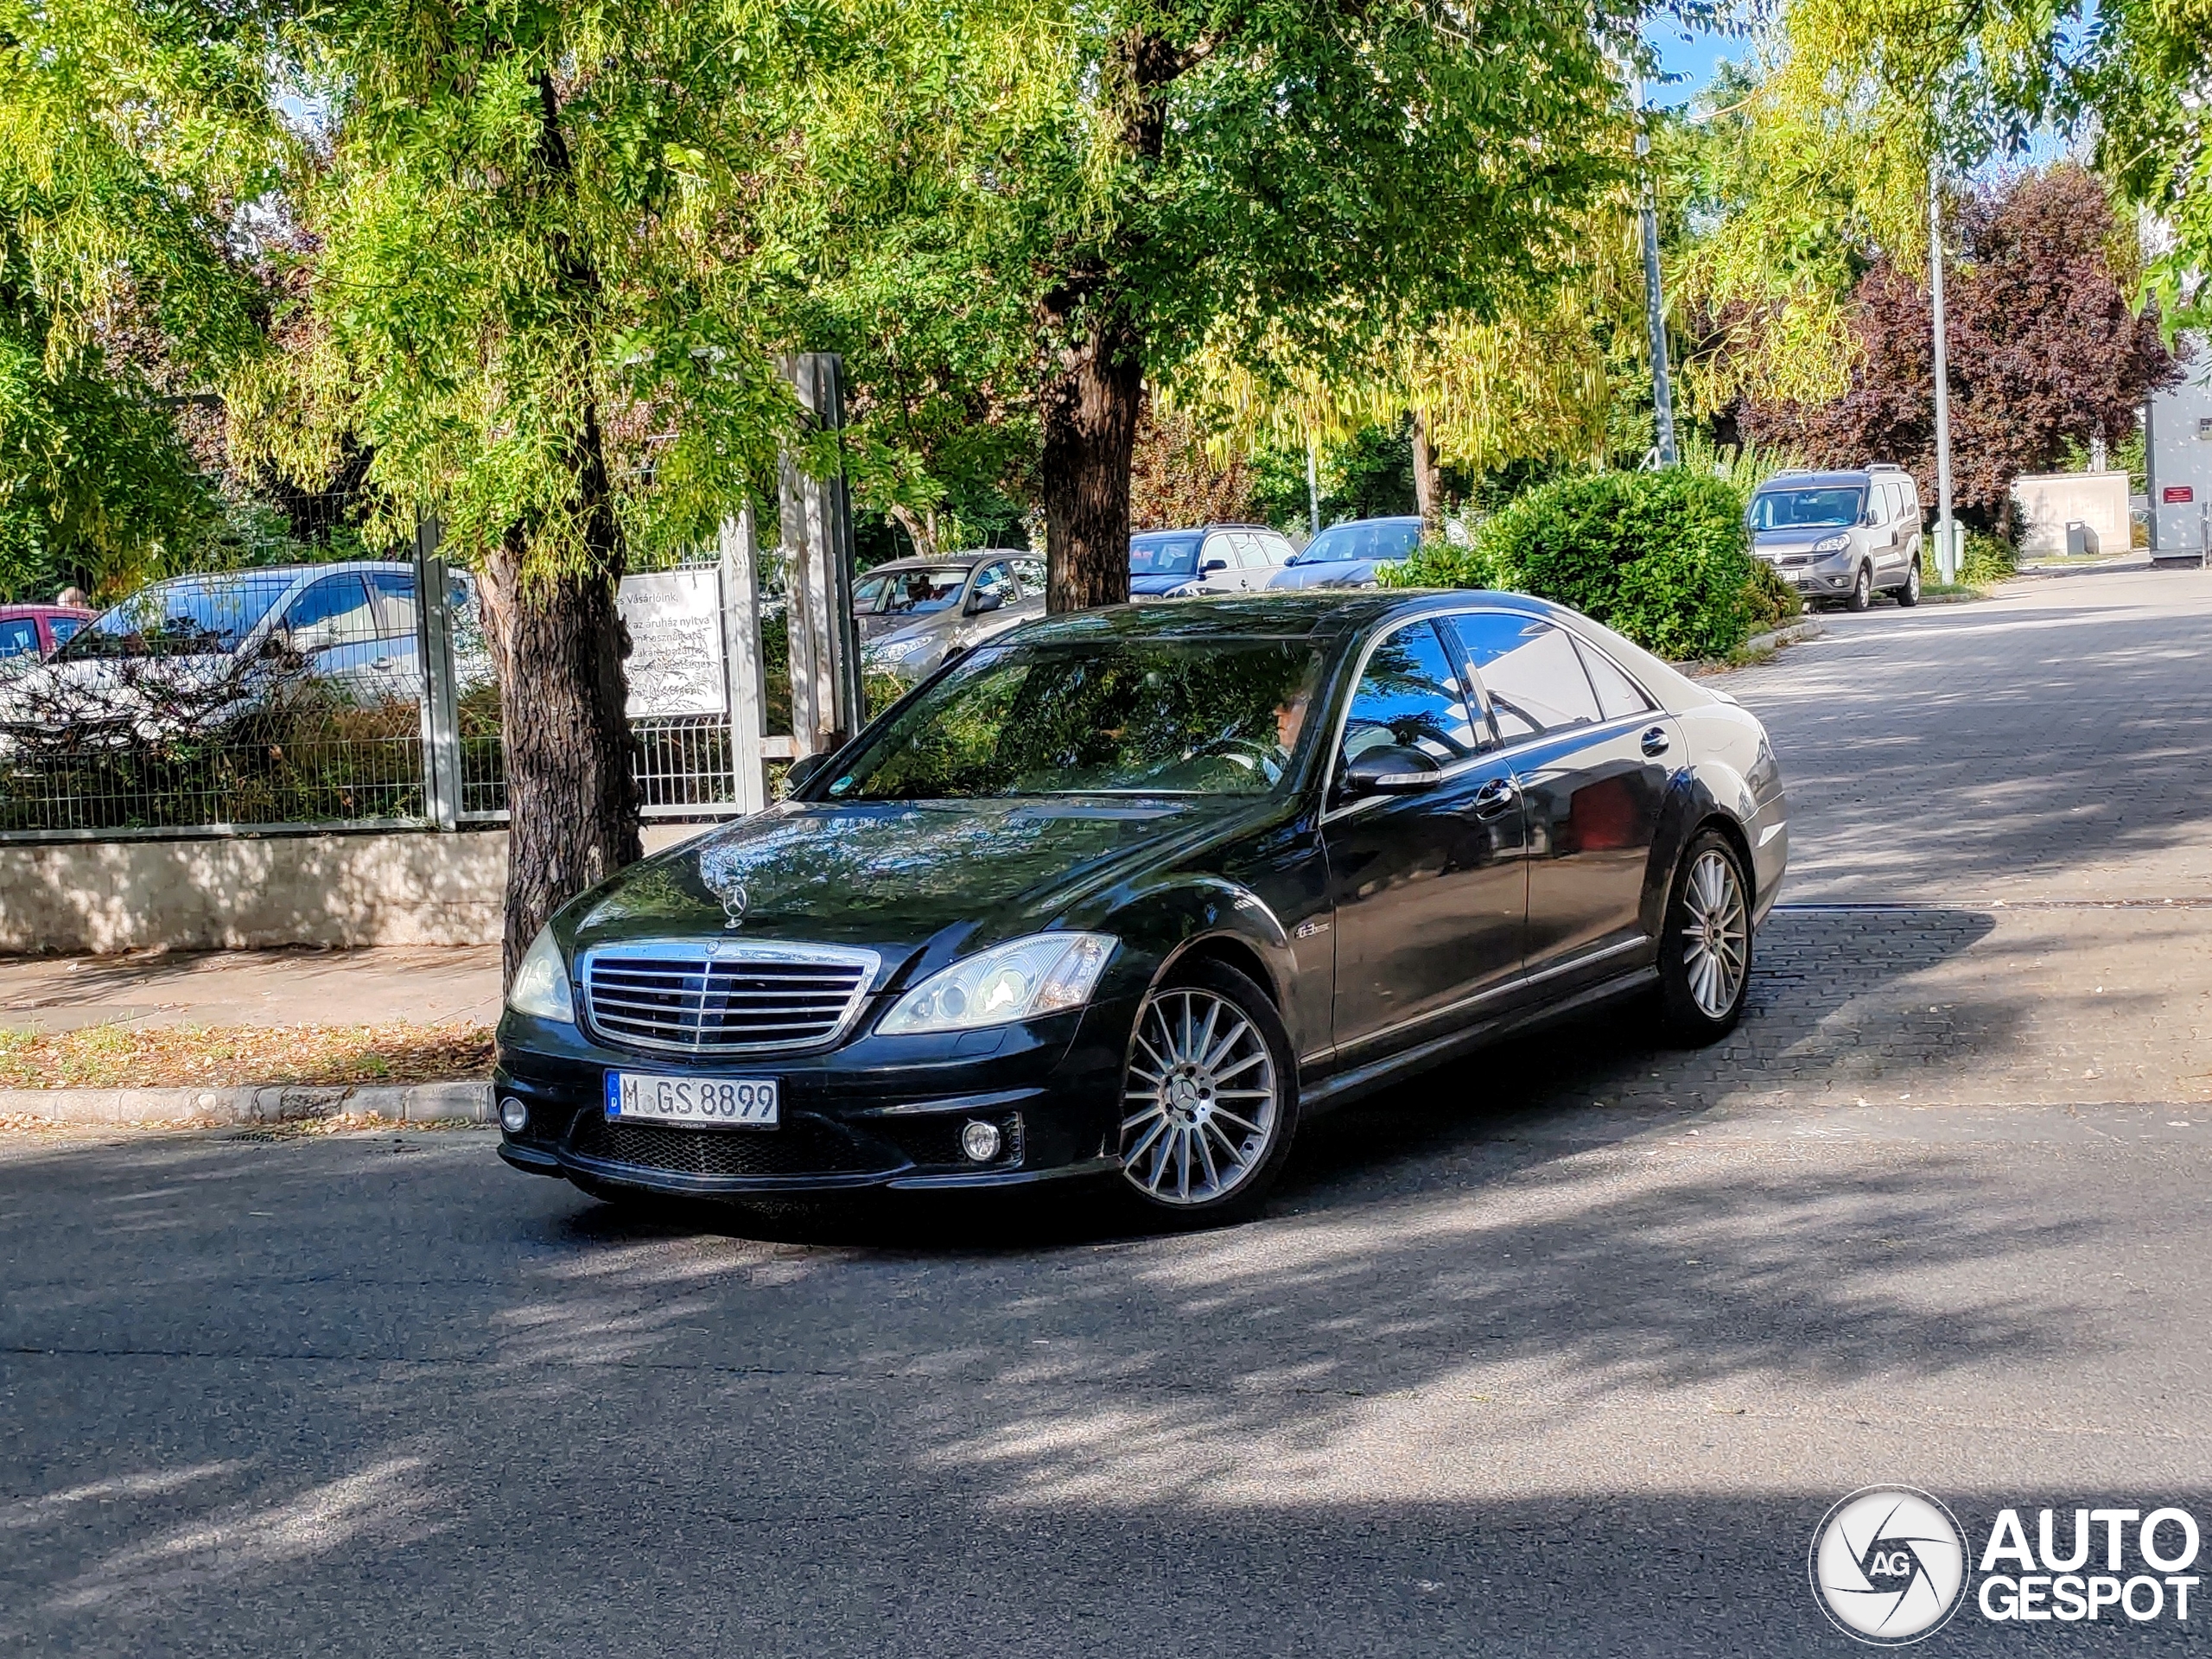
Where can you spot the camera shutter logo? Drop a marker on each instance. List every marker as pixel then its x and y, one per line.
pixel 722 872
pixel 1889 1565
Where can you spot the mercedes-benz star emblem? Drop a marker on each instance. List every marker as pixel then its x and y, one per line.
pixel 721 871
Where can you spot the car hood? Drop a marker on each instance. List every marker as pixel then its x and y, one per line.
pixel 1773 543
pixel 895 876
pixel 1153 587
pixel 1332 573
pixel 874 625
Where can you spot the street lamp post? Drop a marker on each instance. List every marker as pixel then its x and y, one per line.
pixel 1663 391
pixel 1947 541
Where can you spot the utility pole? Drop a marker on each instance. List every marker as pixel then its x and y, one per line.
pixel 1663 391
pixel 1946 540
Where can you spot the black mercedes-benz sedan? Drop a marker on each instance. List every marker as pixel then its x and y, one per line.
pixel 1120 894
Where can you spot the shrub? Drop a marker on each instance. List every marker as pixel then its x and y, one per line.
pixel 1986 559
pixel 1660 556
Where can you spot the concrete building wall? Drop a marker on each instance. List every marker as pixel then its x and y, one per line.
pixel 259 892
pixel 2048 502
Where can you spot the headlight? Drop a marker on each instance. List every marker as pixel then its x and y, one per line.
pixel 1042 973
pixel 1836 544
pixel 541 986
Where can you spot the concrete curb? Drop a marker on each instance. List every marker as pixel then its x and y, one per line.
pixel 420 1103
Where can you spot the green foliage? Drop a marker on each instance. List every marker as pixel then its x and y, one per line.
pixel 1660 556
pixel 1986 559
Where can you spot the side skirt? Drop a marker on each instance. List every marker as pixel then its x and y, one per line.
pixel 1345 1087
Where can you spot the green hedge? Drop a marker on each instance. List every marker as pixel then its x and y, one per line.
pixel 1660 556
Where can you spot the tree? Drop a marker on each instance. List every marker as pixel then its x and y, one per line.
pixel 111 273
pixel 1272 184
pixel 2045 350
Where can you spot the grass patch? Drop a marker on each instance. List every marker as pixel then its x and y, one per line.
pixel 230 1057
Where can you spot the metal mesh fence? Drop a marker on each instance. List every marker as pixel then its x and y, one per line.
pixel 291 696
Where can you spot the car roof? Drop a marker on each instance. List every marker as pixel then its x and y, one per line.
pixel 1199 530
pixel 287 572
pixel 971 557
pixel 1379 518
pixel 45 610
pixel 1834 475
pixel 1292 614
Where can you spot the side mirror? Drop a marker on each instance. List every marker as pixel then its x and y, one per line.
pixel 1212 565
pixel 803 768
pixel 1389 769
pixel 980 602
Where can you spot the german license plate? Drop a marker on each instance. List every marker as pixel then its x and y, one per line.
pixel 702 1103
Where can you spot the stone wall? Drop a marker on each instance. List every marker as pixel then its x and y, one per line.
pixel 258 891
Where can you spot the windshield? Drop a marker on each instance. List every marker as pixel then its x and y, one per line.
pixel 1379 539
pixel 1827 508
pixel 1163 554
pixel 1123 716
pixel 191 616
pixel 908 593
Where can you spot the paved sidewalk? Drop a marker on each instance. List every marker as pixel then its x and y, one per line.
pixel 424 985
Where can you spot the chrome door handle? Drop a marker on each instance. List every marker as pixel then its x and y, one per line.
pixel 1654 742
pixel 1494 798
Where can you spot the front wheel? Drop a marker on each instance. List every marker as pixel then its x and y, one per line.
pixel 1209 1098
pixel 1909 595
pixel 1705 947
pixel 1862 590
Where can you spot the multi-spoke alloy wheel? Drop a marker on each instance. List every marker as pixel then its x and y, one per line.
pixel 1206 1113
pixel 1717 933
pixel 1705 955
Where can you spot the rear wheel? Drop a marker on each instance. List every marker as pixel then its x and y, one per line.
pixel 1909 595
pixel 1862 590
pixel 1704 948
pixel 1209 1098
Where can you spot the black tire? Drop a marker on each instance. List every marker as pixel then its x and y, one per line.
pixel 1909 595
pixel 1178 1124
pixel 1862 591
pixel 1693 1009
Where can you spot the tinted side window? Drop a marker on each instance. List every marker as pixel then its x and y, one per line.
pixel 1529 669
pixel 1031 574
pixel 993 579
pixel 1276 549
pixel 337 611
pixel 395 592
pixel 1410 695
pixel 1618 697
pixel 64 628
pixel 18 637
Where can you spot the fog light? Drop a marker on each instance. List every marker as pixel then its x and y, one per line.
pixel 514 1116
pixel 980 1140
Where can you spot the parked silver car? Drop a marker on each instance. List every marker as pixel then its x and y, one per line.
pixel 196 652
pixel 913 614
pixel 1348 555
pixel 1208 559
pixel 1841 535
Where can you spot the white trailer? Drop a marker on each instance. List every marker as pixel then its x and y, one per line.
pixel 2177 460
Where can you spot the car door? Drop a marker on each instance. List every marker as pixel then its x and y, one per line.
pixel 987 607
pixel 390 666
pixel 332 623
pixel 1218 567
pixel 1430 889
pixel 1592 769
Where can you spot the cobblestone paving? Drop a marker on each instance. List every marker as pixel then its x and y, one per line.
pixel 2001 890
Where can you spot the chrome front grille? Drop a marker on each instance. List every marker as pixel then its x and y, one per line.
pixel 724 996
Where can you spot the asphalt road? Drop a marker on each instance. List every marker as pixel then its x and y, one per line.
pixel 1566 1351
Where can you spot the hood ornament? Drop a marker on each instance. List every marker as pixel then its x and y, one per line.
pixel 721 871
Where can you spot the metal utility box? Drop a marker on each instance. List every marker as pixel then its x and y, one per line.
pixel 2178 453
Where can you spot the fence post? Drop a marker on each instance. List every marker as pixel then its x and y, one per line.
pixel 742 676
pixel 434 655
pixel 827 703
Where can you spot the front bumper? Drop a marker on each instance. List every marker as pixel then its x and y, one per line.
pixel 877 1113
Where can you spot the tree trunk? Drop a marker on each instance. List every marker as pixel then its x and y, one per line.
pixel 572 795
pixel 572 798
pixel 1429 479
pixel 1090 412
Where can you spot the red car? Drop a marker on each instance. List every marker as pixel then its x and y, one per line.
pixel 38 630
